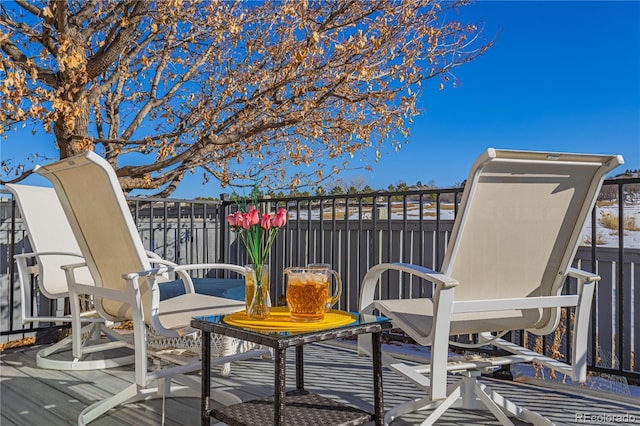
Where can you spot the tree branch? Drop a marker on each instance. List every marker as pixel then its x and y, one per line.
pixel 100 62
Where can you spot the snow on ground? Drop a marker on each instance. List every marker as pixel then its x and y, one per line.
pixel 609 237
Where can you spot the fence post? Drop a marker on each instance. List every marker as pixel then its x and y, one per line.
pixel 222 216
pixel 11 262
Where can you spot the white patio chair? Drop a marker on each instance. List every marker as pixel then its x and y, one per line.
pixel 510 252
pixel 126 287
pixel 53 245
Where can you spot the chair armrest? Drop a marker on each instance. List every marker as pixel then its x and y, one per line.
pixel 24 273
pixel 148 273
pixel 225 266
pixel 187 282
pixel 161 261
pixel 179 268
pixel 156 259
pixel 585 276
pixel 21 259
pixel 152 255
pixel 46 253
pixel 372 278
pixel 149 276
pixel 73 266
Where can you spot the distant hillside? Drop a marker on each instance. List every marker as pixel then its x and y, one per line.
pixel 628 174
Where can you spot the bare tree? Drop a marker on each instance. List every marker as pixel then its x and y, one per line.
pixel 278 90
pixel 355 183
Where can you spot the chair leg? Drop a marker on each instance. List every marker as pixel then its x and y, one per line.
pixel 98 408
pixel 487 396
pixel 186 387
pixel 466 393
pixel 44 359
pixel 426 403
pixel 134 393
pixel 443 406
pixel 493 398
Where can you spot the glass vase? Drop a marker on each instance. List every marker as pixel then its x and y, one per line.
pixel 258 301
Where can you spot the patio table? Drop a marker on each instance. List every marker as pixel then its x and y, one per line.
pixel 298 406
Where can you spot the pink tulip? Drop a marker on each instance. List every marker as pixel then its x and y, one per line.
pixel 265 223
pixel 246 221
pixel 232 220
pixel 280 218
pixel 239 219
pixel 254 216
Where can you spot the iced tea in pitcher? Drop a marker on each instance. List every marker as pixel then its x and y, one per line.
pixel 308 292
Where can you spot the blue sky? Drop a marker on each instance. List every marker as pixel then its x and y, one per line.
pixel 562 76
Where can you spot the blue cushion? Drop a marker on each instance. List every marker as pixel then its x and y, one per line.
pixel 230 288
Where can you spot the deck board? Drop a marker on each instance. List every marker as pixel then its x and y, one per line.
pixel 34 396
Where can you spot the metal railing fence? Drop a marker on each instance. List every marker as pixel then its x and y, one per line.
pixel 353 232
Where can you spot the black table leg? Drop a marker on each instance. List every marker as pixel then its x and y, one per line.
pixel 376 343
pixel 280 386
pixel 299 369
pixel 205 409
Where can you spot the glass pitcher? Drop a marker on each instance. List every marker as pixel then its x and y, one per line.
pixel 308 290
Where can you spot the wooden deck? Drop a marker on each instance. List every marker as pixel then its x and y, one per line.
pixel 33 396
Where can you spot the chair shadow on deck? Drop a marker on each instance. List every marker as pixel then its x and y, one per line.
pixel 35 396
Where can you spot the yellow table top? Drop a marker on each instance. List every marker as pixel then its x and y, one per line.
pixel 280 320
